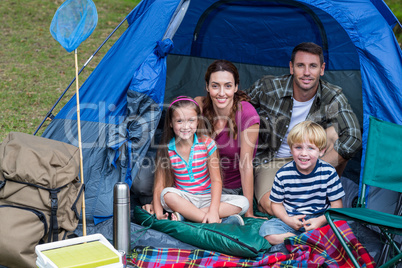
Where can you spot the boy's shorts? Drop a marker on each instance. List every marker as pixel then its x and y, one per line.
pixel 276 226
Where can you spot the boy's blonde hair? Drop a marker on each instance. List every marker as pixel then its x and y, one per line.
pixel 308 131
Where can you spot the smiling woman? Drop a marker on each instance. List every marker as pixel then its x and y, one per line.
pixel 233 124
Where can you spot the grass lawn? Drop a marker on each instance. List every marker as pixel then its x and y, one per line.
pixel 35 69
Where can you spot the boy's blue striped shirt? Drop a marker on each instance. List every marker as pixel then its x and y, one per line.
pixel 306 194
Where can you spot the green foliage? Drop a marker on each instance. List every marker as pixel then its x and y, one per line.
pixel 396 8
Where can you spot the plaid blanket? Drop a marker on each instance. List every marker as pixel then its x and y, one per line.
pixel 316 248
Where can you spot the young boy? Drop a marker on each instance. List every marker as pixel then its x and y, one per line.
pixel 303 188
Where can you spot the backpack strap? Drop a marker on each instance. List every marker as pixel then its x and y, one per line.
pixel 53 216
pixel 74 206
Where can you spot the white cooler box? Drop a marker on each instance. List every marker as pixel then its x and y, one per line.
pixel 81 252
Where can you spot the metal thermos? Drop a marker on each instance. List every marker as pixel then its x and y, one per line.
pixel 121 217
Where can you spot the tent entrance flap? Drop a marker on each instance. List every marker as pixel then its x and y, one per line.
pixel 277 27
pixel 265 10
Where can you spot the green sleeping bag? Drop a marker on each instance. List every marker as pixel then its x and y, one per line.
pixel 241 241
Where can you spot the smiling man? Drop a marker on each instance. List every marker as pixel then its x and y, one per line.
pixel 284 101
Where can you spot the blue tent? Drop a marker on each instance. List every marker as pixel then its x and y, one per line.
pixel 122 99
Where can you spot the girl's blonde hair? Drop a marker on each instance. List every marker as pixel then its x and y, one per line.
pixel 308 131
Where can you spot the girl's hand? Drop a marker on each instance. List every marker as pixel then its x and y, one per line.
pixel 211 217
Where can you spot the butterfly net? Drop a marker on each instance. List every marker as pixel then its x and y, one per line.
pixel 73 22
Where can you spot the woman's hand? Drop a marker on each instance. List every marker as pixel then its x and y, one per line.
pixel 149 208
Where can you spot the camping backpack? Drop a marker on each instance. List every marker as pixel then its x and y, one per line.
pixel 40 195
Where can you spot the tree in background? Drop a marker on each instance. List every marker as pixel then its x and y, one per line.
pixel 396 8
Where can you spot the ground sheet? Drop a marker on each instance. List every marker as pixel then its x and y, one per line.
pixel 317 248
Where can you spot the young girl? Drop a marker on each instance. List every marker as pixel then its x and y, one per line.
pixel 187 179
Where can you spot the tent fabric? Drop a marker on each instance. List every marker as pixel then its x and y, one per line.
pixel 104 107
pixel 386 13
pixel 144 107
pixel 360 49
pixel 270 48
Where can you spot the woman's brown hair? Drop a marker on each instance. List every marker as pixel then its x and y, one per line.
pixel 239 96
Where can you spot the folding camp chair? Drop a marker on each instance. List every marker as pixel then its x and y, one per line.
pixel 383 169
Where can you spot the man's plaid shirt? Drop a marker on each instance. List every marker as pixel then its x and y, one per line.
pixel 272 97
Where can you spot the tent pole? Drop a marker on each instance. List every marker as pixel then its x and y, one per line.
pixel 49 114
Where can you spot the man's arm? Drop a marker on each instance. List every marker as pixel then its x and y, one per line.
pixel 344 135
pixel 331 156
pixel 350 137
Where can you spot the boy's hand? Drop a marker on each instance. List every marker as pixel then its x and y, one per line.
pixel 314 223
pixel 296 222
